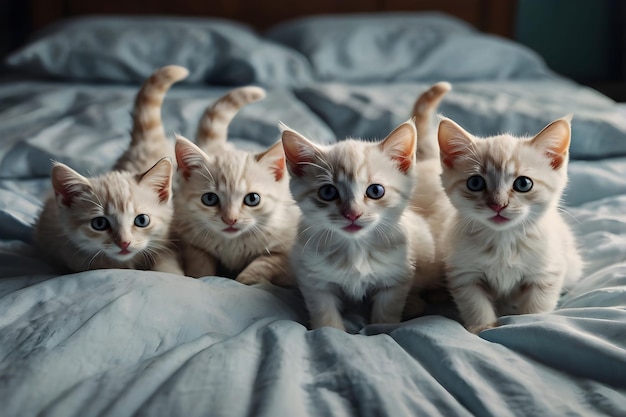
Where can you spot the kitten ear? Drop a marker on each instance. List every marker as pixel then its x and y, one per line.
pixel 453 141
pixel 274 158
pixel 554 141
pixel 67 183
pixel 188 156
pixel 298 150
pixel 400 145
pixel 159 178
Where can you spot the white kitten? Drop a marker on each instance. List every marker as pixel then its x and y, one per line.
pixel 120 219
pixel 356 238
pixel 233 208
pixel 511 250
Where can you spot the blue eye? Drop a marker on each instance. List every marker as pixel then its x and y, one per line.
pixel 142 220
pixel 210 199
pixel 476 183
pixel 375 191
pixel 252 199
pixel 100 223
pixel 523 184
pixel 328 192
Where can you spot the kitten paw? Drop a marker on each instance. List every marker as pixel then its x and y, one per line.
pixel 249 279
pixel 480 327
pixel 315 324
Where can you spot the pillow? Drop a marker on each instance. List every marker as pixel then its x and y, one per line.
pixel 405 47
pixel 129 49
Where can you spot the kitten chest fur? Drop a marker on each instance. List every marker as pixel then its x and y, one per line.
pixel 506 259
pixel 355 266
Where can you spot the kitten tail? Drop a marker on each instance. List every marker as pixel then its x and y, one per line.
pixel 148 139
pixel 213 126
pixel 425 121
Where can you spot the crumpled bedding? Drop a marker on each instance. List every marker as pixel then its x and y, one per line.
pixel 122 342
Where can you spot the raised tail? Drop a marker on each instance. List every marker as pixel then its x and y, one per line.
pixel 148 139
pixel 213 126
pixel 425 120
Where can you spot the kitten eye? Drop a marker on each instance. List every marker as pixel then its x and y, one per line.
pixel 100 223
pixel 252 199
pixel 375 191
pixel 328 192
pixel 210 199
pixel 523 184
pixel 142 220
pixel 476 183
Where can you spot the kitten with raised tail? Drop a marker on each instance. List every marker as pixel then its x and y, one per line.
pixel 356 237
pixel 120 219
pixel 511 251
pixel 234 213
pixel 429 199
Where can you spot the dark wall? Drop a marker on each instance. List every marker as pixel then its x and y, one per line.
pixel 14 24
pixel 581 39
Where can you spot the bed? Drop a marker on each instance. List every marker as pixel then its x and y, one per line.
pixel 124 342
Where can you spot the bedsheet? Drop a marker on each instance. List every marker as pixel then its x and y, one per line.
pixel 123 343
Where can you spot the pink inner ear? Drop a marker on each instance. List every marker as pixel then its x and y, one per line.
pixel 64 189
pixel 295 159
pixel 183 159
pixel 449 153
pixel 404 162
pixel 163 192
pixel 448 158
pixel 278 168
pixel 66 195
pixel 182 167
pixel 557 160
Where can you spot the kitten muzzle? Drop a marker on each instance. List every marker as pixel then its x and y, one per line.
pixel 124 248
pixel 352 228
pixel 499 219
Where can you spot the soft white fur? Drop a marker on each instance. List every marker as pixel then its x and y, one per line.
pixel 64 234
pixel 518 266
pixel 258 251
pixel 382 259
pixel 140 183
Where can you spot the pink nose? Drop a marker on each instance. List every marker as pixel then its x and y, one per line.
pixel 351 215
pixel 229 221
pixel 496 207
pixel 124 245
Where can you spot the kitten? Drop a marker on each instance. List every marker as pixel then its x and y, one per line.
pixel 429 198
pixel 120 219
pixel 356 237
pixel 511 251
pixel 234 212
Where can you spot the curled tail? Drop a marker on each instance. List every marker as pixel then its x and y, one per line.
pixel 148 139
pixel 425 121
pixel 213 126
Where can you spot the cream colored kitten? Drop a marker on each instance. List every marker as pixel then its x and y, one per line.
pixel 429 198
pixel 356 238
pixel 511 251
pixel 120 219
pixel 233 208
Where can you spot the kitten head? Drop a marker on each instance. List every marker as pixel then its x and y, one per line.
pixel 504 181
pixel 119 215
pixel 230 192
pixel 352 187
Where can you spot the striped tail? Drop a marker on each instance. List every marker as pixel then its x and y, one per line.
pixel 148 139
pixel 213 126
pixel 425 121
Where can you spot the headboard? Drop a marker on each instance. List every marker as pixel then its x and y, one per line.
pixel 493 16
